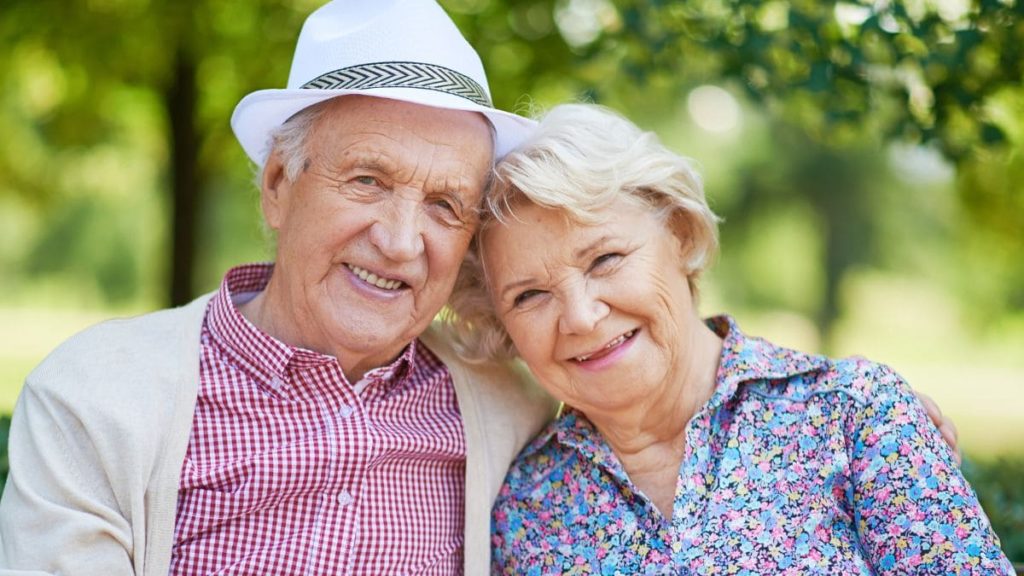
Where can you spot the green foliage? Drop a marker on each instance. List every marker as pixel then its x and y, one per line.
pixel 903 69
pixel 88 122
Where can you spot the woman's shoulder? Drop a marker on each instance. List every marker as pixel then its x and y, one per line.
pixel 767 369
pixel 543 456
pixel 857 377
pixel 546 461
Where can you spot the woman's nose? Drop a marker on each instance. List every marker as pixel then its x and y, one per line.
pixel 581 312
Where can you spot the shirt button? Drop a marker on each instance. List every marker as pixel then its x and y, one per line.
pixel 361 385
pixel 344 498
pixel 345 411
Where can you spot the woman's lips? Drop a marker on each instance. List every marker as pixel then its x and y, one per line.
pixel 608 349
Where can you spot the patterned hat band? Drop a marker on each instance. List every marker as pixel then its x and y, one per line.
pixel 402 75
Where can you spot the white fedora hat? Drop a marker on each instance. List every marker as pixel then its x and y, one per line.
pixel 406 50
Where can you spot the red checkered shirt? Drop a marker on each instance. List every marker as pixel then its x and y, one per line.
pixel 293 470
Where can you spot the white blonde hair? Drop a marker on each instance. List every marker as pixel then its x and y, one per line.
pixel 581 158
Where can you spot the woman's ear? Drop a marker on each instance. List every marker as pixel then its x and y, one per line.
pixel 681 227
pixel 274 189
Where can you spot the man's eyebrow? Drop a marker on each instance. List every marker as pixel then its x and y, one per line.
pixel 368 162
pixel 366 159
pixel 456 187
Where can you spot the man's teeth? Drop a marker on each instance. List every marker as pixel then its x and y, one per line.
pixel 611 344
pixel 372 278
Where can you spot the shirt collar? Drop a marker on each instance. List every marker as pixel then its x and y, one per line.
pixel 746 359
pixel 266 358
pixel 392 377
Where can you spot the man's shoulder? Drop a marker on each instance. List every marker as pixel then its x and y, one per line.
pixel 502 378
pixel 499 396
pixel 117 352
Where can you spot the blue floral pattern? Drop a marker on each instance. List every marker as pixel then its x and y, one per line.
pixel 798 464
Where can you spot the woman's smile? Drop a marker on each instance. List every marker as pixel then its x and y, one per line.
pixel 607 354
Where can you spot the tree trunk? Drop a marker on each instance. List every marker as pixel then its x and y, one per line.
pixel 180 100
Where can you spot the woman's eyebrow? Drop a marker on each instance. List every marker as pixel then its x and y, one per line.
pixel 515 286
pixel 581 252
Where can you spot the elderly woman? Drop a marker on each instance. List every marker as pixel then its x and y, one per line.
pixel 685 446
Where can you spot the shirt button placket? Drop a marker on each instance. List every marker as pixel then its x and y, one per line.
pixel 345 498
pixel 350 418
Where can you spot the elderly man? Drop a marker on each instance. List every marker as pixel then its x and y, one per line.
pixel 303 419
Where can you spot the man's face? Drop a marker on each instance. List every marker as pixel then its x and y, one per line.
pixel 372 231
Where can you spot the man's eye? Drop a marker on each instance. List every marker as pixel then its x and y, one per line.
pixel 445 205
pixel 450 211
pixel 524 297
pixel 367 180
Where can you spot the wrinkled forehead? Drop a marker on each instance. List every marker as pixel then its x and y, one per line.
pixel 399 136
pixel 388 115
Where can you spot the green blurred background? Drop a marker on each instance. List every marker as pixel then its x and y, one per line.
pixel 866 157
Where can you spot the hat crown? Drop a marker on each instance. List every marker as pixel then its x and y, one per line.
pixel 351 33
pixel 406 50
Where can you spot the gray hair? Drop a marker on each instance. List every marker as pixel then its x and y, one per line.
pixel 289 139
pixel 581 158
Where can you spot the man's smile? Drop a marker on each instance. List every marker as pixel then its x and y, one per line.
pixel 373 279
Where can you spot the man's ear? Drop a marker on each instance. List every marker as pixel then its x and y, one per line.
pixel 274 190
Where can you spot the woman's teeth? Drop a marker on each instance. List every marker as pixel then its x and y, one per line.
pixel 372 278
pixel 609 346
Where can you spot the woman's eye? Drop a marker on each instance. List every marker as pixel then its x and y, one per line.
pixel 524 297
pixel 604 260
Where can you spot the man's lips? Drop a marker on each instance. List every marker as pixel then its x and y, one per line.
pixel 607 348
pixel 378 281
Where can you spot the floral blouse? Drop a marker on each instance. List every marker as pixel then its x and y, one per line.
pixel 798 464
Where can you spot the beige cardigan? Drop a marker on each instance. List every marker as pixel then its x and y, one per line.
pixel 101 427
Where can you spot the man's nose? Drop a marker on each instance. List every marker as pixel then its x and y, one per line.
pixel 397 233
pixel 581 311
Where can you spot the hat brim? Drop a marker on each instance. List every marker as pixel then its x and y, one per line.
pixel 263 111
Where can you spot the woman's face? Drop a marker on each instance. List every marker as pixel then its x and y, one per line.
pixel 601 313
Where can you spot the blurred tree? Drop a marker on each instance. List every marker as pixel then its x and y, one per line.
pixel 192 60
pixel 156 80
pixel 839 80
